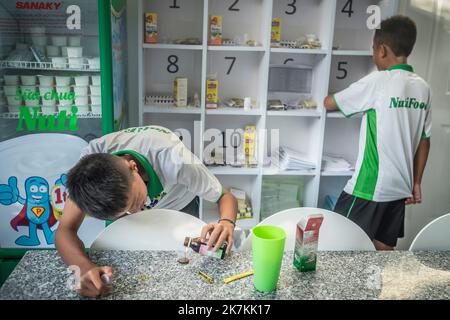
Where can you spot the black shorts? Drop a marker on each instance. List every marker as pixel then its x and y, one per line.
pixel 382 221
pixel 192 207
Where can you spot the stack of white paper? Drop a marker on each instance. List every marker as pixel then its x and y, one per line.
pixel 288 159
pixel 335 163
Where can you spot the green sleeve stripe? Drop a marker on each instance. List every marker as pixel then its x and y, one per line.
pixel 424 136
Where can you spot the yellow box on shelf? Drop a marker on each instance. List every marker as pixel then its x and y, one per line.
pixel 151 27
pixel 180 91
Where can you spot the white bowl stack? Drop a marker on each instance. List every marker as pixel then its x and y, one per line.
pixel 96 95
pixel 10 86
pixel 81 89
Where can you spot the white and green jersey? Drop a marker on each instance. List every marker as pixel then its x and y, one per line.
pixel 397 113
pixel 176 176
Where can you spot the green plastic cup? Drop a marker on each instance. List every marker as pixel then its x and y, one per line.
pixel 267 247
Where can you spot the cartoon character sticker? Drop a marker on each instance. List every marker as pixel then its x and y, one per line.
pixel 39 210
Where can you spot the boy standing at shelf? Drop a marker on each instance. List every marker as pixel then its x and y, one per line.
pixel 124 172
pixel 394 139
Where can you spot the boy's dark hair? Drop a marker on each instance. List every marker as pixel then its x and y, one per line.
pixel 399 33
pixel 99 185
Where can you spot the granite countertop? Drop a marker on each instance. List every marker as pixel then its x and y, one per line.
pixel 157 275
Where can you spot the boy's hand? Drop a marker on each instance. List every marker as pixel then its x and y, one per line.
pixel 91 284
pixel 217 233
pixel 417 195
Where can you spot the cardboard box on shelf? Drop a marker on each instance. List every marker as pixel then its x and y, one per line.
pixel 215 30
pixel 180 89
pixel 212 92
pixel 151 28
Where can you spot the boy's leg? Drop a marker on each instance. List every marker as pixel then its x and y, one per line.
pixel 392 224
pixel 380 246
pixel 362 212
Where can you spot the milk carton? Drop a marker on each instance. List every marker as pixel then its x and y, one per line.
pixel 215 30
pixel 151 27
pixel 276 32
pixel 212 88
pixel 180 88
pixel 307 239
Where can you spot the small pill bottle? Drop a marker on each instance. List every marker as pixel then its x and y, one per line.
pixel 202 248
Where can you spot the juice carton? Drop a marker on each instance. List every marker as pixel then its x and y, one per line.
pixel 250 146
pixel 307 239
pixel 212 95
pixel 180 89
pixel 276 32
pixel 215 30
pixel 151 27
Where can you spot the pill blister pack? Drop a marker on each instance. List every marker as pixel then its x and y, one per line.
pixel 159 99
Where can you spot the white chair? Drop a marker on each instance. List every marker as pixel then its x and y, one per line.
pixel 337 233
pixel 434 236
pixel 156 229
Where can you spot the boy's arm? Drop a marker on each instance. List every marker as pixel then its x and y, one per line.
pixel 224 229
pixel 420 161
pixel 71 250
pixel 330 104
pixel 69 246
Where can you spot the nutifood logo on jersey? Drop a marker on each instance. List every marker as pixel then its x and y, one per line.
pixel 409 103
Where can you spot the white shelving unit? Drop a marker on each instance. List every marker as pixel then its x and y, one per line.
pixel 243 71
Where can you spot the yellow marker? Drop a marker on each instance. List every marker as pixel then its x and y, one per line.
pixel 206 277
pixel 238 276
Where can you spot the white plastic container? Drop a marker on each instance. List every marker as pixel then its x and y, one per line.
pixel 27 89
pixel 40 40
pixel 32 103
pixel 81 101
pixel 11 80
pixel 80 91
pixel 96 81
pixel 49 109
pixel 65 107
pixel 64 51
pixel 82 109
pixel 59 41
pixel 66 103
pixel 96 108
pixel 53 51
pixel 48 106
pixel 13 109
pixel 37 35
pixel 76 63
pixel 96 99
pixel 74 41
pixel 63 81
pixel 62 90
pixel 28 80
pixel 46 80
pixel 96 90
pixel 37 31
pixel 22 46
pixel 74 52
pixel 94 63
pixel 14 101
pixel 49 103
pixel 10 90
pixel 45 90
pixel 59 62
pixel 40 50
pixel 81 80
